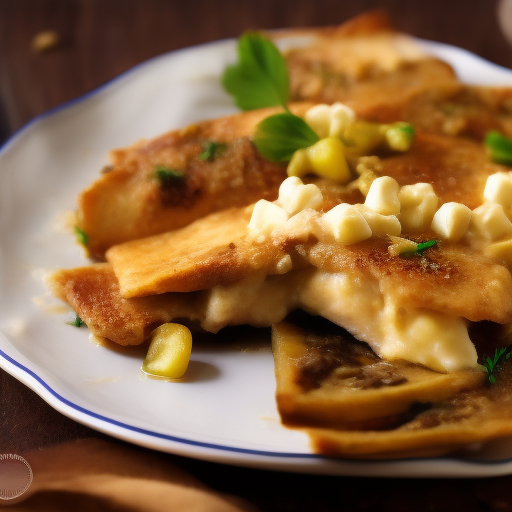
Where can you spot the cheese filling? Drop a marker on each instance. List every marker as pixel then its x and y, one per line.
pixel 434 339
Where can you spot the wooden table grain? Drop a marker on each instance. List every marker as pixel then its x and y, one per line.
pixel 98 40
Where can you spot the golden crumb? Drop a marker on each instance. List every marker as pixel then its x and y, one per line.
pixel 45 40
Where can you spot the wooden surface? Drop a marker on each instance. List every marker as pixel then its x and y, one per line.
pixel 102 38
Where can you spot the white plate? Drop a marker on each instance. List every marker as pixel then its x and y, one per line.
pixel 225 411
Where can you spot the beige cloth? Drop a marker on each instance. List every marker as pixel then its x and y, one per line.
pixel 92 474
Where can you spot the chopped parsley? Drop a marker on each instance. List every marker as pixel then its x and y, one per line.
pixel 260 77
pixel 490 365
pixel 211 150
pixel 499 147
pixel 81 236
pixel 168 177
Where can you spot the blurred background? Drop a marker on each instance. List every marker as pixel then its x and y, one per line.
pixel 52 51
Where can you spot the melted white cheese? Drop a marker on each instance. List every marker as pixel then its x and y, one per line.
pixel 431 338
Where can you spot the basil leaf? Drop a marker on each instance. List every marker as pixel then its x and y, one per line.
pixel 279 136
pixel 260 77
pixel 499 147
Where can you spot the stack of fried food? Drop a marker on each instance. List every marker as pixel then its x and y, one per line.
pixel 176 247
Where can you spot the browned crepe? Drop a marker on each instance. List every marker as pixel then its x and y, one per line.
pixel 353 404
pixel 364 63
pixel 128 202
pixel 395 83
pixel 465 418
pixel 445 279
pixel 325 378
pixel 93 293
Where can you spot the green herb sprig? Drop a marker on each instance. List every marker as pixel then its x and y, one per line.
pixel 77 322
pixel 260 79
pixel 211 150
pixel 168 177
pixel 499 147
pixel 420 249
pixel 279 136
pixel 490 365
pixel 81 236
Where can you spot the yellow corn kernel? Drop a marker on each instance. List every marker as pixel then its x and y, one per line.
pixel 169 351
pixel 319 118
pixel 346 224
pixel 363 136
pixel 400 136
pixel 327 159
pixel 400 245
pixel 500 251
pixel 299 164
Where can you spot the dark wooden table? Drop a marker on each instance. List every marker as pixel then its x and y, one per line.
pixel 100 39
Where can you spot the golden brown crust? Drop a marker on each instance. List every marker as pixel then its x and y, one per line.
pixel 325 378
pixel 212 251
pixel 93 293
pixel 129 202
pixel 314 378
pixel 217 250
pixel 444 279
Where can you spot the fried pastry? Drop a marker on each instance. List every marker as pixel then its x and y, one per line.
pixel 326 378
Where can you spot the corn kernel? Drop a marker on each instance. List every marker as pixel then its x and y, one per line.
pixel 341 117
pixel 319 118
pixel 418 204
pixel 330 121
pixel 498 189
pixel 382 196
pixel 500 251
pixel 400 245
pixel 364 136
pixel 299 164
pixel 400 136
pixel 451 221
pixel 294 196
pixel 346 224
pixel 490 221
pixel 380 224
pixel 169 351
pixel 265 217
pixel 284 265
pixel 327 159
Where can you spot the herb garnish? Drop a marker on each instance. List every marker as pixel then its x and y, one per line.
pixel 260 79
pixel 279 136
pixel 168 177
pixel 420 249
pixel 77 322
pixel 81 236
pixel 211 150
pixel 499 147
pixel 500 356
